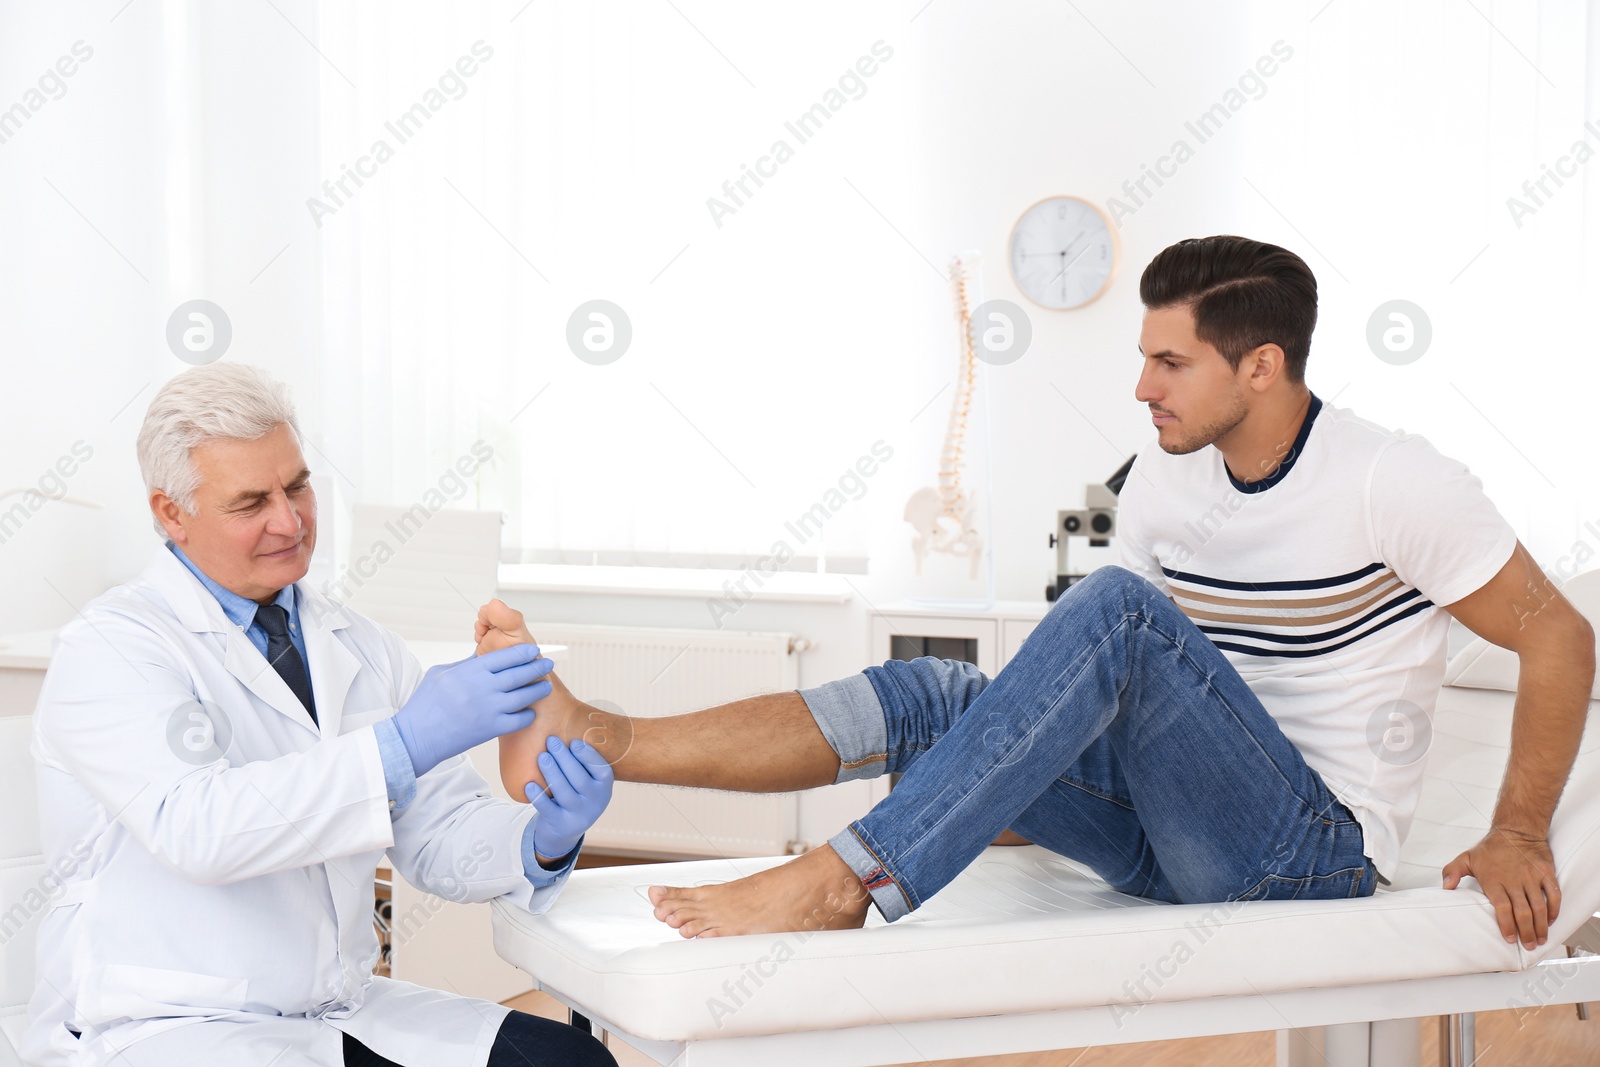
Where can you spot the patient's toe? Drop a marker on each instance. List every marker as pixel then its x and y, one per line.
pixel 671 905
pixel 697 928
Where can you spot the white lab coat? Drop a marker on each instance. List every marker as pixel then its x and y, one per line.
pixel 222 912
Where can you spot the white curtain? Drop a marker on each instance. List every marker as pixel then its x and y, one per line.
pixel 560 153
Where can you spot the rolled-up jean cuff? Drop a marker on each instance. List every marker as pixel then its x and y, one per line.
pixel 850 717
pixel 886 895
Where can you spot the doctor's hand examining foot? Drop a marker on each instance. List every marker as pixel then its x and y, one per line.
pixel 458 706
pixel 557 714
pixel 580 788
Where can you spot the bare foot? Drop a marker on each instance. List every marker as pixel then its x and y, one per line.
pixel 1007 837
pixel 562 714
pixel 817 891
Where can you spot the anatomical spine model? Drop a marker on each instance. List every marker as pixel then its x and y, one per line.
pixel 945 518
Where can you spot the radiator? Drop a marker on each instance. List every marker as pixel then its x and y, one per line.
pixel 654 672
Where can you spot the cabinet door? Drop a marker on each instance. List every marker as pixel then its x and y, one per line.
pixel 907 636
pixel 19 690
pixel 1012 633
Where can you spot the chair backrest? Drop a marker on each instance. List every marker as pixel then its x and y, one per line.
pixel 421 574
pixel 24 890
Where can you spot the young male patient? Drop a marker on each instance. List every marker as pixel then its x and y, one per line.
pixel 1215 719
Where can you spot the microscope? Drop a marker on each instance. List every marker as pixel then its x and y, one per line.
pixel 1096 520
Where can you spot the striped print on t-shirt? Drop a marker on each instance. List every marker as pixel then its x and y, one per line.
pixel 1323 585
pixel 1311 617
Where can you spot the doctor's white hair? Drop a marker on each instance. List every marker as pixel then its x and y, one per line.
pixel 218 401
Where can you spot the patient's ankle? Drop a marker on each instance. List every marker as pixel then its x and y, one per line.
pixel 610 733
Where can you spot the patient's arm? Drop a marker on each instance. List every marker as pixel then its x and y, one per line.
pixel 1521 609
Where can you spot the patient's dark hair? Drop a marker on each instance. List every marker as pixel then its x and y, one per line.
pixel 1243 294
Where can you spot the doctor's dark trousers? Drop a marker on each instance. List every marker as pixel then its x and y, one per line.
pixel 523 1041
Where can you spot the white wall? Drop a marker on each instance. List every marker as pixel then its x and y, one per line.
pixel 1017 102
pixel 1383 150
pixel 1010 103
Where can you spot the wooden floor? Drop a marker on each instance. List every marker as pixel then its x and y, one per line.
pixel 1548 1037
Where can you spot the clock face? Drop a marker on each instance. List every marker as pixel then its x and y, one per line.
pixel 1063 252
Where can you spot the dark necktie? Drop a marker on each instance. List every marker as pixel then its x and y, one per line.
pixel 283 656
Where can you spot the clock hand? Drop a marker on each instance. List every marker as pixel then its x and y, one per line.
pixel 1062 272
pixel 1069 266
pixel 1064 251
pixel 1075 239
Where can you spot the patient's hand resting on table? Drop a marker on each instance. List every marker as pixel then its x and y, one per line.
pixel 560 713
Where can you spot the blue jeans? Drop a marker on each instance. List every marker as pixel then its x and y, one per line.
pixel 1118 736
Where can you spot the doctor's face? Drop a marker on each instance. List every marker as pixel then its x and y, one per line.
pixel 255 517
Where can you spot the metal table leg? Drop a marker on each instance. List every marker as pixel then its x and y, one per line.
pixel 1458 1043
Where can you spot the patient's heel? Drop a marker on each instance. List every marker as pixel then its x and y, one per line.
pixel 519 760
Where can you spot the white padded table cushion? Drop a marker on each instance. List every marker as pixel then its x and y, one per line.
pixel 1025 930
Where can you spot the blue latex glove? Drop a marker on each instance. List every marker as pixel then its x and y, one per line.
pixel 580 788
pixel 461 705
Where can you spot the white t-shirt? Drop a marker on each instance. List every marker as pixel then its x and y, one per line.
pixel 1324 586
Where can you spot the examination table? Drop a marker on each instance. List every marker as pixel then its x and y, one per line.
pixel 1028 950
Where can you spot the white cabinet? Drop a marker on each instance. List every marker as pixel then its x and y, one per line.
pixel 1012 633
pixel 23 659
pixel 987 639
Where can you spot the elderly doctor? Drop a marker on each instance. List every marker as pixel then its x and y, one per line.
pixel 224 755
